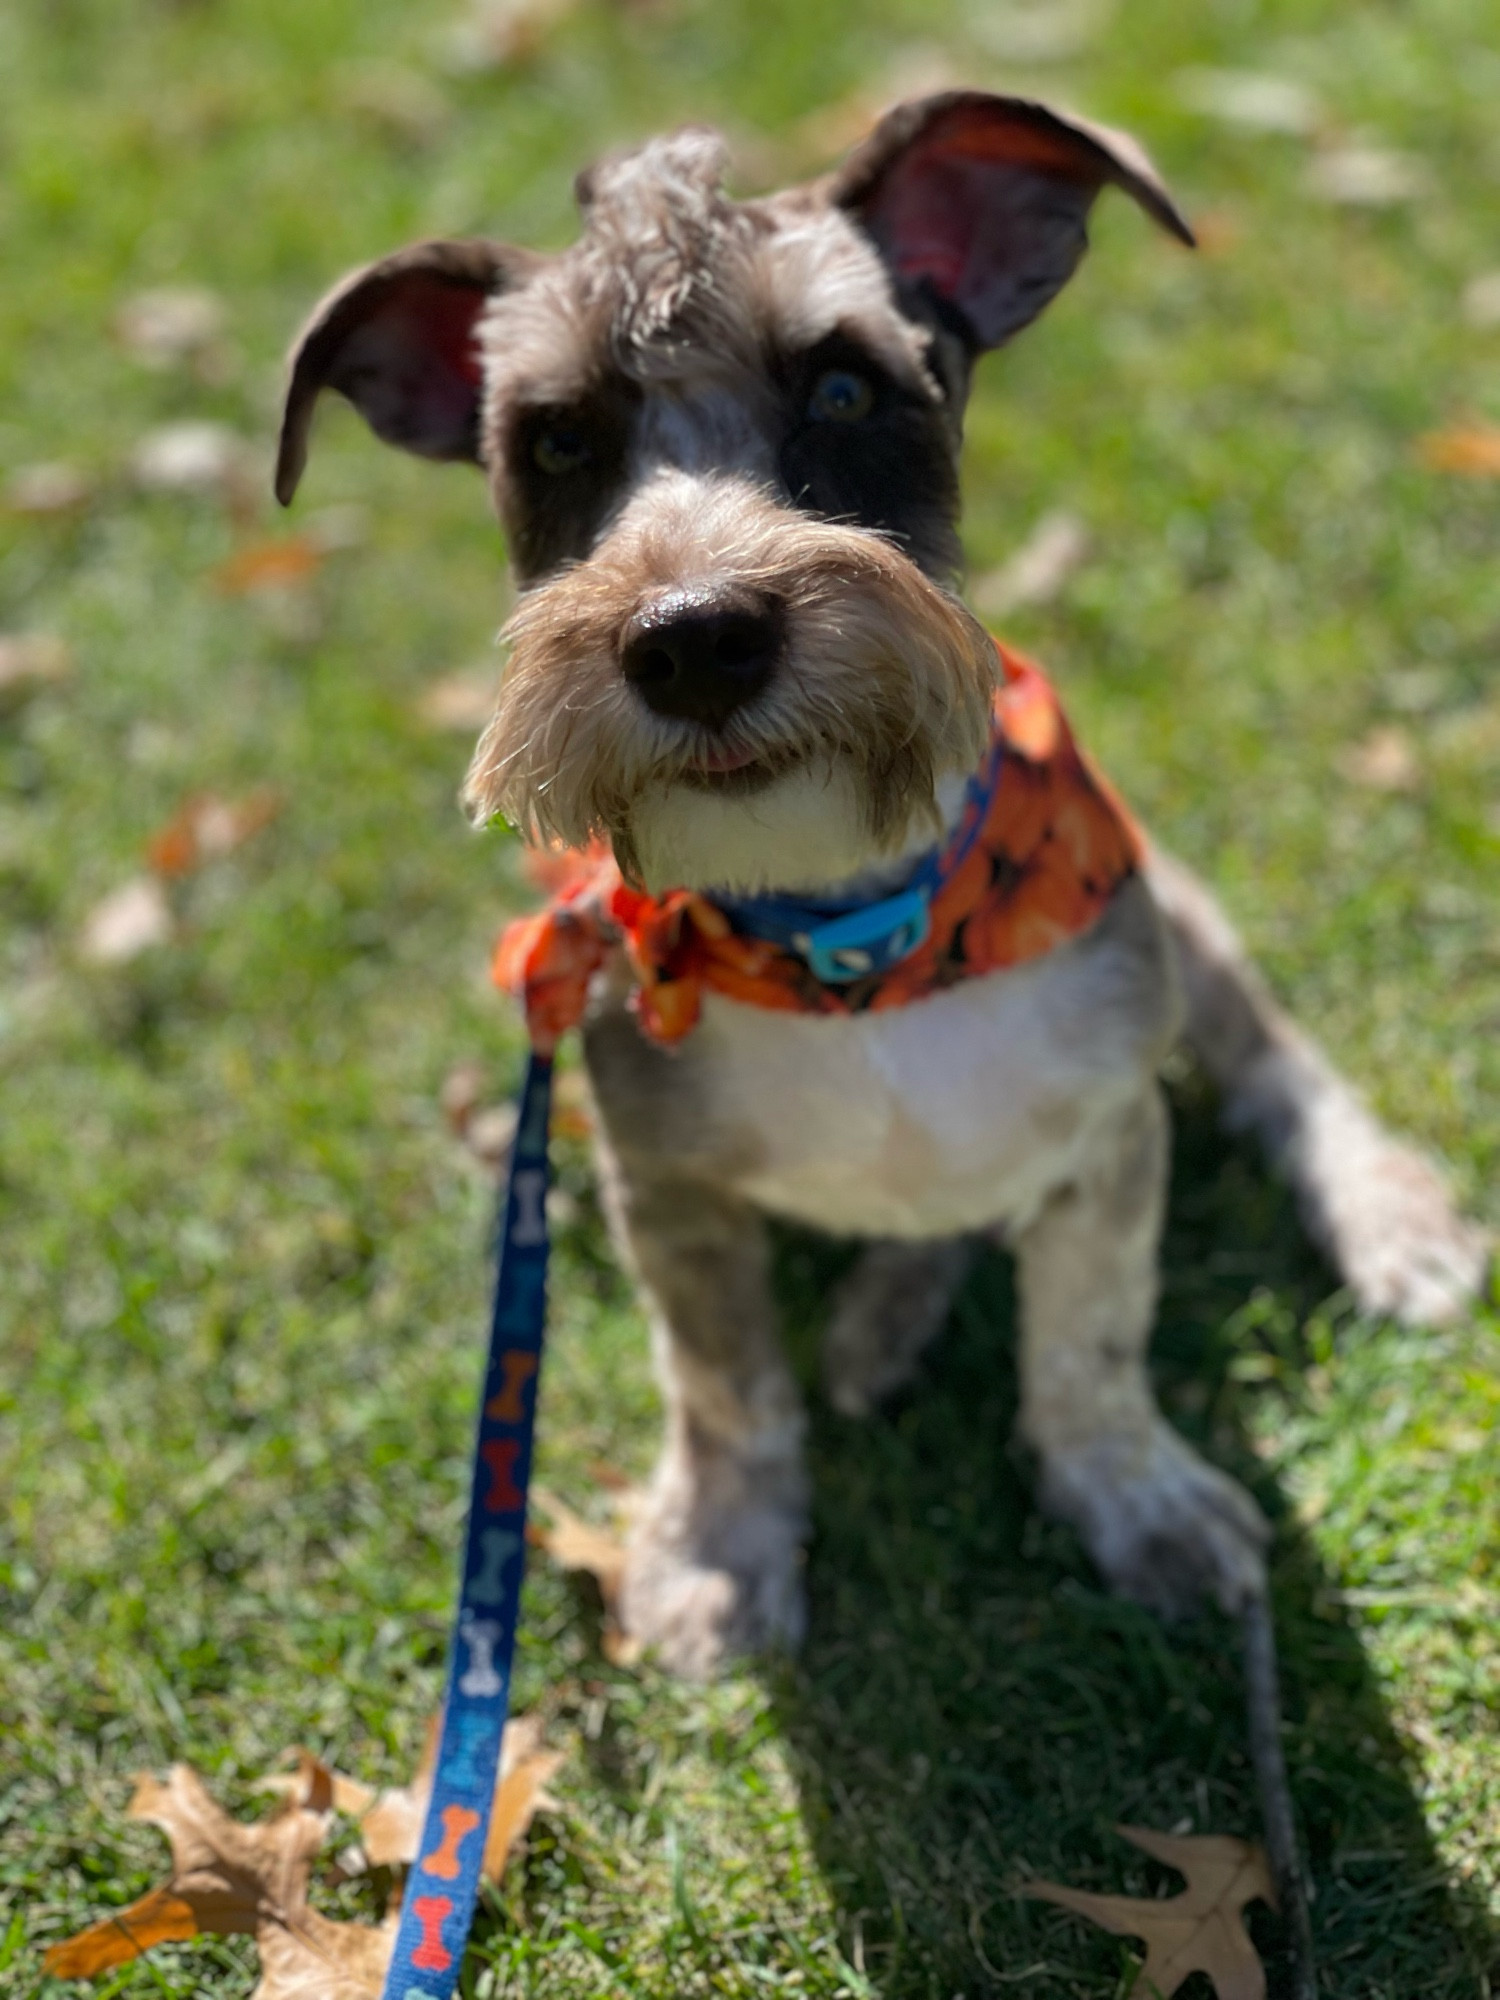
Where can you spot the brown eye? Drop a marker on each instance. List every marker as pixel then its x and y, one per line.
pixel 840 397
pixel 561 448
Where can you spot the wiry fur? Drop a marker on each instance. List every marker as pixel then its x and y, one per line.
pixel 681 336
pixel 886 685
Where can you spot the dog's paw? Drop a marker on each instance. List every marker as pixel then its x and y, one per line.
pixel 889 1308
pixel 1387 1221
pixel 1165 1527
pixel 703 1590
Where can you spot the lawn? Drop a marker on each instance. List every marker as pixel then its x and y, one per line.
pixel 242 1253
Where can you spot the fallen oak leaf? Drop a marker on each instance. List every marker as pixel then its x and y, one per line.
pixel 1366 176
pixel 1470 449
pixel 1257 99
pixel 495 34
pixel 576 1544
pixel 165 328
pixel 1384 761
pixel 521 1793
pixel 1481 300
pixel 30 662
pixel 232 1879
pixel 52 487
pixel 390 1825
pixel 1201 1930
pixel 130 920
pixel 194 458
pixel 277 564
pixel 346 1795
pixel 206 827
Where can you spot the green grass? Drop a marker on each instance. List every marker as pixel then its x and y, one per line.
pixel 242 1262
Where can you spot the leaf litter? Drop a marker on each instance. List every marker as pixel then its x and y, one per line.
pixel 233 1880
pixel 30 662
pixel 230 1878
pixel 138 915
pixel 176 326
pixel 583 1547
pixel 206 827
pixel 1472 450
pixel 1200 1930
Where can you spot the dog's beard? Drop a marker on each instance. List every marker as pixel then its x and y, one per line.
pixel 804 829
pixel 884 689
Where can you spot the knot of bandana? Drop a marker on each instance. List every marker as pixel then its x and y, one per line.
pixel 1054 846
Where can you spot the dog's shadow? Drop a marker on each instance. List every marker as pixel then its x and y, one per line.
pixel 972 1709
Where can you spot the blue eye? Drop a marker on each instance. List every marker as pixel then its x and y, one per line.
pixel 841 397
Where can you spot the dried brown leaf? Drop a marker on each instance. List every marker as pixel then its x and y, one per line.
pixel 195 458
pixel 1481 300
pixel 130 920
pixel 50 488
pixel 391 1827
pixel 1470 449
pixel 278 564
pixel 313 1778
pixel 1384 761
pixel 164 328
pixel 206 827
pixel 499 34
pixel 30 662
pixel 159 1918
pixel 231 1879
pixel 1256 99
pixel 577 1544
pixel 1367 176
pixel 396 102
pixel 1201 1930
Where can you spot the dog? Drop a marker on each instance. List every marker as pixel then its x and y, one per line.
pixel 723 439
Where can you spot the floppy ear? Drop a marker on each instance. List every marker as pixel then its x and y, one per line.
pixel 984 199
pixel 397 339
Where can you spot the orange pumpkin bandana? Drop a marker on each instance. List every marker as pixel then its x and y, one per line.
pixel 1051 846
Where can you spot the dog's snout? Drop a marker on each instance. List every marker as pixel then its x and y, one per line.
pixel 700 658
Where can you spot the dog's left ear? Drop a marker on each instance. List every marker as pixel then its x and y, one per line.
pixel 984 199
pixel 397 339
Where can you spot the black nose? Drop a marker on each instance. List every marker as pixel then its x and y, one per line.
pixel 698 658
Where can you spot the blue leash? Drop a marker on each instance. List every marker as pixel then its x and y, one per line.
pixel 841 944
pixel 443 1885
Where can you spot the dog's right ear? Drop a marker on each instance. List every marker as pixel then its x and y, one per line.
pixel 397 339
pixel 982 201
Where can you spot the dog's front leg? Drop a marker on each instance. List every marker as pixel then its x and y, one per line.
pixel 714 1564
pixel 1162 1524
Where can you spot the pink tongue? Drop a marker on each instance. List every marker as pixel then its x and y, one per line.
pixel 726 760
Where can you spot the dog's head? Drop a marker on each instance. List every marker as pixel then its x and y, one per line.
pixel 723 438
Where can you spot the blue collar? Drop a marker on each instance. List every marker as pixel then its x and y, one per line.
pixel 842 940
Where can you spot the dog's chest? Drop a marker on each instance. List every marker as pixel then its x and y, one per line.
pixel 959 1111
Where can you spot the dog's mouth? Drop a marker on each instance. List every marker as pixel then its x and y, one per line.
pixel 722 761
pixel 738 781
pixel 731 771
